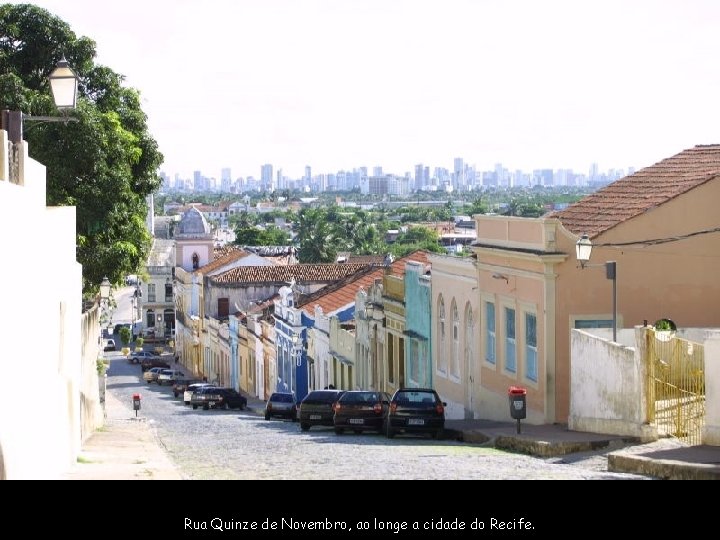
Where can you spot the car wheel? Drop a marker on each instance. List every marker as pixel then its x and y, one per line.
pixel 242 407
pixel 389 433
pixel 194 406
pixel 206 407
pixel 437 434
pixel 304 426
pixel 175 394
pixel 267 416
pixel 339 431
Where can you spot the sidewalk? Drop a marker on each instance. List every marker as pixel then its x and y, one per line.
pixel 665 458
pixel 126 448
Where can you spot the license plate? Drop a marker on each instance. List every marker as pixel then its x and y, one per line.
pixel 212 403
pixel 315 417
pixel 416 422
pixel 357 421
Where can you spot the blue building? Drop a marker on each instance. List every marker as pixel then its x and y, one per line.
pixel 418 310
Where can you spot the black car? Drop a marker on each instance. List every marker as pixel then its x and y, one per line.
pixel 281 404
pixel 416 410
pixel 317 408
pixel 361 410
pixel 212 397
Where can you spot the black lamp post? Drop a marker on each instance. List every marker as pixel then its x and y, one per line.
pixel 583 249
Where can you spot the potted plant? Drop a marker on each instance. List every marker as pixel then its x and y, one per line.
pixel 139 344
pixel 125 336
pixel 664 329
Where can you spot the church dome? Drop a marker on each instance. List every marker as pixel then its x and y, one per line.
pixel 193 225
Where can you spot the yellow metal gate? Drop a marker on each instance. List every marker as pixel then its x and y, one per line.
pixel 676 386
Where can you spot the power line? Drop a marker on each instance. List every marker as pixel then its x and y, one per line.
pixel 657 241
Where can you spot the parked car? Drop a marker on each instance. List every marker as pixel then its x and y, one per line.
pixel 181 384
pixel 190 390
pixel 416 410
pixel 136 357
pixel 156 361
pixel 361 410
pixel 110 345
pixel 151 375
pixel 317 408
pixel 212 397
pixel 168 376
pixel 282 405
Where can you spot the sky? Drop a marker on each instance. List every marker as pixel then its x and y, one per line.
pixel 340 84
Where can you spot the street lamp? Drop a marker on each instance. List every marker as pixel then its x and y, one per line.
pixel 63 83
pixel 583 249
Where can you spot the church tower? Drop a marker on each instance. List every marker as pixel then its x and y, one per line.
pixel 193 241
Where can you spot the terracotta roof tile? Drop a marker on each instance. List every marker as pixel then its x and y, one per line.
pixel 646 189
pixel 228 257
pixel 302 273
pixel 339 295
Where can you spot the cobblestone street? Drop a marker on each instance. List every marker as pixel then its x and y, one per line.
pixel 242 445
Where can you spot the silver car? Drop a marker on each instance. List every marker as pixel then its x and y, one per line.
pixel 281 404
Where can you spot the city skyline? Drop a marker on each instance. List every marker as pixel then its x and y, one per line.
pixel 338 84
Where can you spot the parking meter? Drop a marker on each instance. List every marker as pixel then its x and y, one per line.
pixel 518 404
pixel 136 403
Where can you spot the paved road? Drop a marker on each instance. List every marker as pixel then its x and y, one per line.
pixel 242 445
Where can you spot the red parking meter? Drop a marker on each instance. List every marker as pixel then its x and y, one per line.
pixel 136 403
pixel 518 404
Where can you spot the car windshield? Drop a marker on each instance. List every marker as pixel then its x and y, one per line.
pixel 282 398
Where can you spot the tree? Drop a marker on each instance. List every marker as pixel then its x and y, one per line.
pixel 106 163
pixel 316 237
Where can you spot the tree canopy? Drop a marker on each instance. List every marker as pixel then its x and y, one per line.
pixel 106 163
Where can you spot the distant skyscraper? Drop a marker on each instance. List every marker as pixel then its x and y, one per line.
pixel 594 172
pixel 225 180
pixel 419 176
pixel 266 176
pixel 308 174
pixel 377 171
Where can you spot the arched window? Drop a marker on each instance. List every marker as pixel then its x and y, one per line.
pixel 469 340
pixel 441 350
pixel 195 261
pixel 455 365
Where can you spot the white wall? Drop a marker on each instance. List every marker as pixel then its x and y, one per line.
pixel 40 329
pixel 711 432
pixel 607 387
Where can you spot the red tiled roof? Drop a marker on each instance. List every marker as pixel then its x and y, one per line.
pixel 341 294
pixel 225 250
pixel 646 189
pixel 303 273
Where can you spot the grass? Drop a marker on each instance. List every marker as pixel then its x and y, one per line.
pixel 82 459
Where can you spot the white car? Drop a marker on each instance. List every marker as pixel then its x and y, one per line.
pixel 168 376
pixel 187 396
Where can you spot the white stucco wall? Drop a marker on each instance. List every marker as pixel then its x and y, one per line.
pixel 711 432
pixel 607 387
pixel 39 330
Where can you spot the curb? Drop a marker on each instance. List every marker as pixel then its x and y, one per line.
pixel 665 469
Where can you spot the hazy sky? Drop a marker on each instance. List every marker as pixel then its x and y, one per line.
pixel 338 84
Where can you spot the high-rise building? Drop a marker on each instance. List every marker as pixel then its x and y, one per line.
pixel 266 177
pixel 225 180
pixel 308 174
pixel 419 176
pixel 377 171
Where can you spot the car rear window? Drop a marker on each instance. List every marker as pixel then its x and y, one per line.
pixel 322 396
pixel 360 397
pixel 281 398
pixel 415 398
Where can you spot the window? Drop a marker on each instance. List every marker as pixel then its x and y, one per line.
pixel 441 358
pixel 151 292
pixel 195 261
pixel 391 358
pixel 469 333
pixel 593 323
pixel 223 308
pixel 168 292
pixel 510 363
pixel 531 370
pixel 150 319
pixel 455 367
pixel 490 332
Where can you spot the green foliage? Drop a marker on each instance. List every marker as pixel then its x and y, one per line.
pixel 125 335
pixel 101 366
pixel 252 236
pixel 106 163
